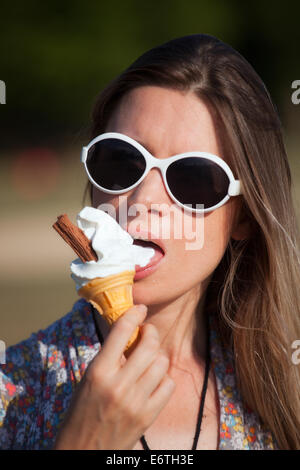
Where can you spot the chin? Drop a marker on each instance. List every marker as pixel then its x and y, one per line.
pixel 144 295
pixel 156 291
pixel 148 293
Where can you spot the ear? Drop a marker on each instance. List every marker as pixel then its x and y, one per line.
pixel 243 225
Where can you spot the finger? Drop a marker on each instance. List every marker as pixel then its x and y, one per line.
pixel 153 376
pixel 160 397
pixel 119 335
pixel 143 355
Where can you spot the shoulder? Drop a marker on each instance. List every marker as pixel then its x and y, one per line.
pixel 50 360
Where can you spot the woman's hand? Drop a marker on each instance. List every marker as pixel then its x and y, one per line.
pixel 118 398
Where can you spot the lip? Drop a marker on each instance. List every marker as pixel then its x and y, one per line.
pixel 140 273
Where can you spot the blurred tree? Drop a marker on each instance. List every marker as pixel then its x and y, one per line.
pixel 56 56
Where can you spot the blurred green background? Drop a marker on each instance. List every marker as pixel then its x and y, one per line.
pixel 55 57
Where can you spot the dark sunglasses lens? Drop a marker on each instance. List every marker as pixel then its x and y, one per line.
pixel 115 164
pixel 195 180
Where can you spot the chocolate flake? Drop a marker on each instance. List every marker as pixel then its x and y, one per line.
pixel 76 238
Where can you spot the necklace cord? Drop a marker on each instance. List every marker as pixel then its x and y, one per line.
pixel 203 394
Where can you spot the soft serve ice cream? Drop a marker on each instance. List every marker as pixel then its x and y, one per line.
pixel 113 246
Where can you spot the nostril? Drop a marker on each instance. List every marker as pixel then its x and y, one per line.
pixel 155 210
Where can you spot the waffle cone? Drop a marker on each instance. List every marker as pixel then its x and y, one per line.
pixel 111 296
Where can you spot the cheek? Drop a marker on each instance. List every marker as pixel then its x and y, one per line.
pixel 208 237
pixel 106 202
pixel 216 235
pixel 113 205
pixel 99 198
pixel 199 258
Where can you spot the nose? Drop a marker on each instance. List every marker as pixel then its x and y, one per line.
pixel 151 193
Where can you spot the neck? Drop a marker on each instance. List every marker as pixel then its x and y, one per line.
pixel 181 327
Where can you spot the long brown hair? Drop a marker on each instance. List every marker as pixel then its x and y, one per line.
pixel 256 287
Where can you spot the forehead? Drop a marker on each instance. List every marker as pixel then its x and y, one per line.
pixel 165 121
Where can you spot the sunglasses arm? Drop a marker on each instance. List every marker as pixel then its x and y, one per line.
pixel 84 152
pixel 234 188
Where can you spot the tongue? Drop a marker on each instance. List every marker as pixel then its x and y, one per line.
pixel 158 253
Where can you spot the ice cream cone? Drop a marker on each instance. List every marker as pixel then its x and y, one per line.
pixel 111 296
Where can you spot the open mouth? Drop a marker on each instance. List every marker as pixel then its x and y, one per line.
pixel 149 244
pixel 156 258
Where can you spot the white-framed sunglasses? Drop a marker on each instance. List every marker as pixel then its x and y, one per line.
pixel 116 163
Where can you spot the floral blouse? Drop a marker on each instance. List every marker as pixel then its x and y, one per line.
pixel 41 373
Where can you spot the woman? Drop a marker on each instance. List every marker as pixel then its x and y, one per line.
pixel 220 320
